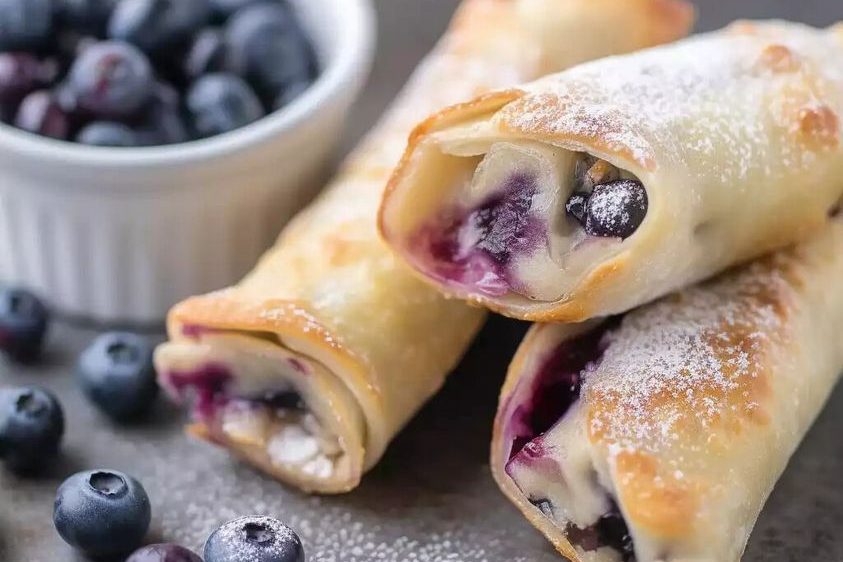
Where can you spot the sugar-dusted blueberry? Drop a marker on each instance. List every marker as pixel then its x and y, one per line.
pixel 155 25
pixel 31 427
pixel 23 323
pixel 254 539
pixel 576 206
pixel 616 209
pixel 222 102
pixel 86 16
pixel 111 79
pixel 41 113
pixel 117 374
pixel 108 133
pixel 162 121
pixel 102 512
pixel 20 74
pixel 206 54
pixel 267 46
pixel 25 24
pixel 164 553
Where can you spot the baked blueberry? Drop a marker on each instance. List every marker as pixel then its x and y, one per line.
pixel 111 79
pixel 267 47
pixel 206 54
pixel 155 25
pixel 102 512
pixel 162 121
pixel 20 74
pixel 616 209
pixel 117 374
pixel 86 16
pixel 23 323
pixel 254 539
pixel 164 553
pixel 218 103
pixel 31 427
pixel 25 24
pixel 108 133
pixel 41 113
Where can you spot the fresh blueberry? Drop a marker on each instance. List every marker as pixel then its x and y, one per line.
pixel 267 47
pixel 290 93
pixel 162 121
pixel 108 133
pixel 20 74
pixel 25 24
pixel 111 79
pixel 41 113
pixel 206 54
pixel 86 16
pixel 219 103
pixel 155 25
pixel 117 374
pixel 616 209
pixel 23 323
pixel 254 539
pixel 102 512
pixel 576 205
pixel 164 553
pixel 31 427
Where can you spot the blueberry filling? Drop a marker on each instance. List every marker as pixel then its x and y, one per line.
pixel 477 247
pixel 557 386
pixel 605 204
pixel 275 422
pixel 554 390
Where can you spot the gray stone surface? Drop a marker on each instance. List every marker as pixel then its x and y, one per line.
pixel 431 498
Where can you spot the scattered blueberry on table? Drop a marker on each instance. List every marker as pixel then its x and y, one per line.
pixel 254 539
pixel 117 374
pixel 24 320
pixel 31 428
pixel 102 512
pixel 94 71
pixel 164 553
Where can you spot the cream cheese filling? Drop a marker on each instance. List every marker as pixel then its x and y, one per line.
pixel 281 411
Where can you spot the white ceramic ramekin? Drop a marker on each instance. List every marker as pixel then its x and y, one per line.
pixel 119 235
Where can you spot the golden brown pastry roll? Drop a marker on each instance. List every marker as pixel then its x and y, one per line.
pixel 659 435
pixel 593 191
pixel 311 365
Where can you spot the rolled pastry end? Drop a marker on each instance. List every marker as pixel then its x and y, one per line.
pixel 514 224
pixel 279 410
pixel 541 455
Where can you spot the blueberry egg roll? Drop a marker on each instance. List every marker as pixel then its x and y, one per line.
pixel 598 189
pixel 657 436
pixel 310 366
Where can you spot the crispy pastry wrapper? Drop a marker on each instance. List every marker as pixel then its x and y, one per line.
pixel 735 136
pixel 680 416
pixel 330 325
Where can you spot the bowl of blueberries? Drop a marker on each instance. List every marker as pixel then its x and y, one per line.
pixel 152 149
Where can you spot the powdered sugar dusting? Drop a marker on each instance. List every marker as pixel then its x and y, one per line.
pixel 690 361
pixel 710 107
